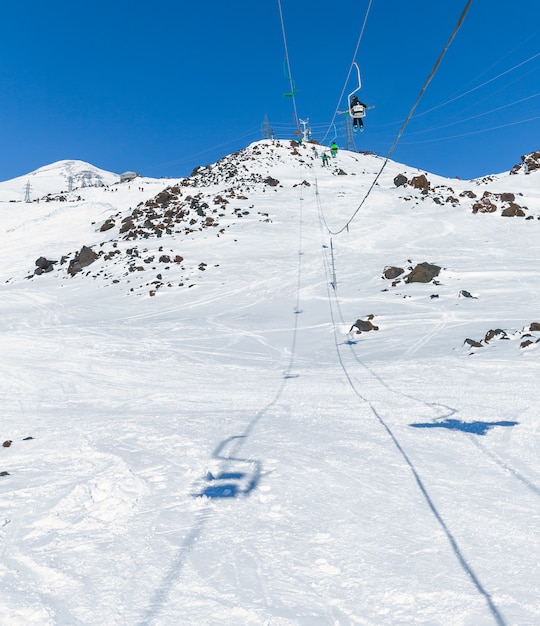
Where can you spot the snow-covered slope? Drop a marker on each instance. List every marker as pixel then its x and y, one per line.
pixel 198 336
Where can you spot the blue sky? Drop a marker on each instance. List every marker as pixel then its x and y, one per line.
pixel 162 87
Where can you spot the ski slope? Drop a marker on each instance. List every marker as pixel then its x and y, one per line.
pixel 216 447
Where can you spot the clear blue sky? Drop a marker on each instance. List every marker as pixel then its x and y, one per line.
pixel 160 87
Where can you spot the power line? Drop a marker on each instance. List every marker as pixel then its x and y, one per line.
pixel 487 82
pixel 473 117
pixel 476 132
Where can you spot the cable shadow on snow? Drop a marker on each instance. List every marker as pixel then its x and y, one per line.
pixel 465 565
pixel 161 595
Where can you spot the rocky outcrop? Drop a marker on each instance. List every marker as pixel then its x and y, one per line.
pixel 82 259
pixel 44 265
pixel 107 225
pixel 505 202
pixel 529 163
pixel 423 273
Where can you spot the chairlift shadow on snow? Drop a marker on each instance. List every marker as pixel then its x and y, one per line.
pixel 474 428
pixel 236 477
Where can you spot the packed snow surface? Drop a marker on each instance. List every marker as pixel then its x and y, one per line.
pixel 196 434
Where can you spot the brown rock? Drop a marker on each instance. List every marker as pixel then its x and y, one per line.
pixel 420 182
pixel 393 272
pixel 423 273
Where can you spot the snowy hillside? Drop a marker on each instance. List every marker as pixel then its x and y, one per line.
pixel 251 397
pixel 55 179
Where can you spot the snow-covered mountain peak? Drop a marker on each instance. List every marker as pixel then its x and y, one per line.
pixel 56 178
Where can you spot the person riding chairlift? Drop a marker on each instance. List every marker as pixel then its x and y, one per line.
pixel 358 110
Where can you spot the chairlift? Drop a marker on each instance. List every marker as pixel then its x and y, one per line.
pixel 289 94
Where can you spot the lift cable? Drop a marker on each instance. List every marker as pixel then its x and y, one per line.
pixel 287 60
pixel 350 70
pixel 407 119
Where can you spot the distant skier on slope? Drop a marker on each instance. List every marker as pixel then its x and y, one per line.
pixel 333 149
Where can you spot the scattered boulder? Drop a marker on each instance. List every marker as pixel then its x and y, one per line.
pixel 273 182
pixel 485 205
pixel 393 272
pixel 7 443
pixel 363 326
pixel 423 273
pixel 467 294
pixel 514 210
pixel 43 265
pixel 400 180
pixel 107 225
pixel 524 337
pixel 490 202
pixel 420 182
pixel 82 259
pixel 498 333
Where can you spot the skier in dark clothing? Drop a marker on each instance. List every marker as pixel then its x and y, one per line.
pixel 358 111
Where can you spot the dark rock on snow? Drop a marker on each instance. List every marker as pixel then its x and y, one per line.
pixel 363 326
pixel 82 259
pixel 423 273
pixel 400 180
pixel 393 272
pixel 43 265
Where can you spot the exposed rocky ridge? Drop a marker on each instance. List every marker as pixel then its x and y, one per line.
pixel 529 163
pixel 504 203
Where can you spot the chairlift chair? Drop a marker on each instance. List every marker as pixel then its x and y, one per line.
pixel 359 110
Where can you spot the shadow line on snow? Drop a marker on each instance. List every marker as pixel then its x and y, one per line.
pixel 474 428
pixel 161 594
pixel 467 568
